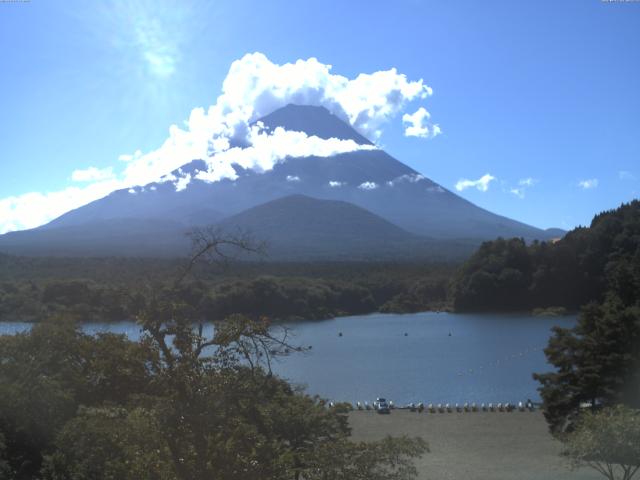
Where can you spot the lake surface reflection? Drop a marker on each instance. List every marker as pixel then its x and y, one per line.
pixel 428 357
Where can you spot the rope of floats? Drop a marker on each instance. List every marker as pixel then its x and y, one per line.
pixel 495 363
pixel 499 362
pixel 447 407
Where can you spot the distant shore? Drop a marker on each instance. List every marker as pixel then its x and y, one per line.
pixel 475 446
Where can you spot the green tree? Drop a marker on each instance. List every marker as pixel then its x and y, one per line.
pixel 109 443
pixel 47 373
pixel 596 363
pixel 5 468
pixel 607 441
pixel 40 376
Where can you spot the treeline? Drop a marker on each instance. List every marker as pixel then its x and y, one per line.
pixel 293 291
pixel 579 268
pixel 87 300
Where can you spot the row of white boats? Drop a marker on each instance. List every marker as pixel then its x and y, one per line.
pixel 450 408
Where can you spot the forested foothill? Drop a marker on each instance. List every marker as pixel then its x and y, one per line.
pixel 583 266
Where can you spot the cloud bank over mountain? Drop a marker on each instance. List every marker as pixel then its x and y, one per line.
pixel 267 149
pixel 226 133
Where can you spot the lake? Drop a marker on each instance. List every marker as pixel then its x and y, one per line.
pixel 409 357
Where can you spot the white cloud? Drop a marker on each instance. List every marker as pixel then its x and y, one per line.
pixel 182 182
pixel 179 148
pixel 126 157
pixel 418 125
pixel 368 186
pixel 408 177
pixel 626 175
pixel 335 184
pixel 523 185
pixel 435 189
pixel 269 148
pixel 588 184
pixel 518 192
pixel 293 178
pixel 255 87
pixel 92 174
pixel 32 209
pixel 527 182
pixel 481 184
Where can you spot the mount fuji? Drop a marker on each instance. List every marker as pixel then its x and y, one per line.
pixel 361 204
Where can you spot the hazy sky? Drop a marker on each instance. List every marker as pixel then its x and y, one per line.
pixel 538 102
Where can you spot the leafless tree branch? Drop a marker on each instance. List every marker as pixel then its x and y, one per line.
pixel 214 244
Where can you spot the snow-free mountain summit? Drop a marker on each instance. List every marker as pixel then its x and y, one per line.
pixel 392 208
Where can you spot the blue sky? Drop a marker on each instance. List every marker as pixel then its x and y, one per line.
pixel 538 100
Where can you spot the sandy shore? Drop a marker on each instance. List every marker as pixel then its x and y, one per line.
pixel 475 446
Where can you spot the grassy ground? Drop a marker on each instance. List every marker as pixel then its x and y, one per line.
pixel 475 446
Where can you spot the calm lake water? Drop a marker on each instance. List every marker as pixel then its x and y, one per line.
pixel 487 358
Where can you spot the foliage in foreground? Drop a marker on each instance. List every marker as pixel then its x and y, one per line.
pixel 78 407
pixel 607 441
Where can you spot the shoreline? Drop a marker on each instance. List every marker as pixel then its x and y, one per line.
pixel 447 310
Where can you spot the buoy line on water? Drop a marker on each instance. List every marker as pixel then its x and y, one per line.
pixel 500 362
pixel 496 363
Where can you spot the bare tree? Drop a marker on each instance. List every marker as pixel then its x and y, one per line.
pixel 215 245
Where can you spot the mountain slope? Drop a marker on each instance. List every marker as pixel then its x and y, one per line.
pixel 300 226
pixel 158 201
pixel 112 237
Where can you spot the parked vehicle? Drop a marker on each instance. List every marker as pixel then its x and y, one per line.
pixel 381 405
